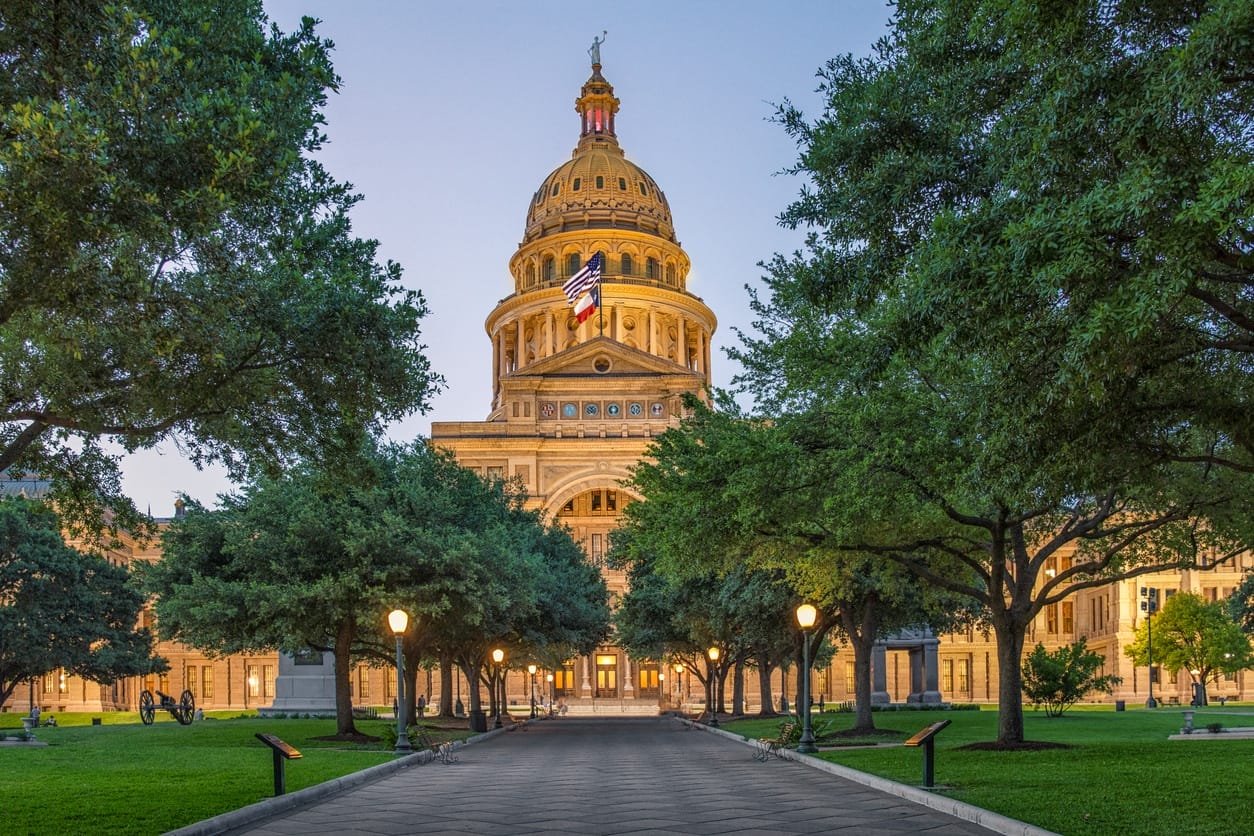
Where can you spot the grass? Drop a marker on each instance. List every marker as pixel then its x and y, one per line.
pixel 1121 775
pixel 126 778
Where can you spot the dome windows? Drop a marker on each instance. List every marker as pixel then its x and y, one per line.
pixel 626 264
pixel 557 187
pixel 650 268
pixel 640 183
pixel 549 269
pixel 600 182
pixel 572 264
pixel 622 184
pixel 574 187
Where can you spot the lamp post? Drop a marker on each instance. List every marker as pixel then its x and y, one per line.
pixel 806 615
pixel 531 669
pixel 498 656
pixel 713 654
pixel 552 692
pixel 398 620
pixel 1149 605
pixel 679 686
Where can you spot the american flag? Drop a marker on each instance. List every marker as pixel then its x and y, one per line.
pixel 580 283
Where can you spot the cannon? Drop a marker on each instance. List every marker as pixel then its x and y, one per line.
pixel 183 710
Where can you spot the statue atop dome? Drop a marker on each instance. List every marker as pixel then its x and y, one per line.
pixel 594 51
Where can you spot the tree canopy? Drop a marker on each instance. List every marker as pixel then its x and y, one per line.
pixel 1023 270
pixel 1194 635
pixel 174 265
pixel 61 608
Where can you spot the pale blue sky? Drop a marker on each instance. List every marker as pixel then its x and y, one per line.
pixel 450 114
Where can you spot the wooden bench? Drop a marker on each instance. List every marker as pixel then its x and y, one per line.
pixel 443 751
pixel 766 747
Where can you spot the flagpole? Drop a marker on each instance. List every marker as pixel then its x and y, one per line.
pixel 601 294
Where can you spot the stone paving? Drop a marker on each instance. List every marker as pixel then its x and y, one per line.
pixel 611 776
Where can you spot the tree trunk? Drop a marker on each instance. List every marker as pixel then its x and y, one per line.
pixel 738 687
pixel 1010 636
pixel 472 682
pixel 343 666
pixel 446 685
pixel 861 634
pixel 412 662
pixel 764 687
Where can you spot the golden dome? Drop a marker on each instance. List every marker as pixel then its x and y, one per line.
pixel 598 188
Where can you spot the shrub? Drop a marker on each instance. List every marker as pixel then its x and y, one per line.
pixel 1058 680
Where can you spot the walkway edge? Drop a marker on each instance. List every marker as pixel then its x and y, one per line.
pixel 268 807
pixel 958 809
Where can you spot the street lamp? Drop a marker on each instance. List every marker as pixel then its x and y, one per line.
pixel 679 686
pixel 713 654
pixel 661 689
pixel 398 620
pixel 552 692
pixel 498 656
pixel 531 669
pixel 806 615
pixel 1149 605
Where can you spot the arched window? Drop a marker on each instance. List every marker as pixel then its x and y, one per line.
pixel 574 187
pixel 572 264
pixel 531 275
pixel 626 262
pixel 622 184
pixel 670 273
pixel 650 268
pixel 549 270
pixel 557 187
pixel 643 190
pixel 600 182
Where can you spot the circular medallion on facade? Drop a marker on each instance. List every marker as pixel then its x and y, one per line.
pixel 569 410
pixel 657 410
pixel 591 410
pixel 601 364
pixel 613 409
pixel 548 409
pixel 636 409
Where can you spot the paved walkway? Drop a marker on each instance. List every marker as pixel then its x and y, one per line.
pixel 611 776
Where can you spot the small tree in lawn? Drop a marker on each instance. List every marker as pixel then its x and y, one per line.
pixel 1060 679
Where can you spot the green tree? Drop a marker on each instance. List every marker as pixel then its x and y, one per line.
pixel 935 349
pixel 61 608
pixel 1241 604
pixel 175 265
pixel 1195 635
pixel 1060 679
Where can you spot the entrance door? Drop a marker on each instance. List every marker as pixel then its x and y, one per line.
pixel 648 684
pixel 607 675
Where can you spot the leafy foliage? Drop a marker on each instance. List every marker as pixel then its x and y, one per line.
pixel 1060 679
pixel 174 263
pixel 61 608
pixel 1193 634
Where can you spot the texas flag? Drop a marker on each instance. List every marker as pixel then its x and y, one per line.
pixel 588 303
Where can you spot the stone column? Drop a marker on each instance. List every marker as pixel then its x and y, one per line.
pixel 552 335
pixel 520 340
pixel 681 344
pixel 587 683
pixel 879 675
pixel 916 676
pixel 629 689
pixel 650 340
pixel 931 674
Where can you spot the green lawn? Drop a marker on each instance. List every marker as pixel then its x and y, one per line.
pixel 126 778
pixel 1122 775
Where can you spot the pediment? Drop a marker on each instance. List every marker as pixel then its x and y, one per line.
pixel 600 357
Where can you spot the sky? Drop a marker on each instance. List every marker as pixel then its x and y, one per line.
pixel 450 114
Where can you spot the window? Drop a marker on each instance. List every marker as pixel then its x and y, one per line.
pixel 626 264
pixel 549 268
pixel 363 682
pixel 643 190
pixel 574 187
pixel 531 275
pixel 598 549
pixel 670 273
pixel 611 500
pixel 600 182
pixel 557 187
pixel 572 264
pixel 964 676
pixel 650 268
pixel 206 682
pixel 851 683
pixel 596 501
pixel 947 676
pixel 1051 618
pixel 564 678
pixel 189 678
pixel 267 681
pixel 164 682
pixel 254 681
pixel 50 682
pixel 496 472
pixel 1068 616
pixel 622 184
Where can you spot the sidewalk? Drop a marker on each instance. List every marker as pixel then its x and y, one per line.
pixel 611 776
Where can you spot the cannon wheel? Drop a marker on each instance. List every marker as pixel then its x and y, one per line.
pixel 186 709
pixel 147 709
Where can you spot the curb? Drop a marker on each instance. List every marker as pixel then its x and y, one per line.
pixel 268 807
pixel 958 809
